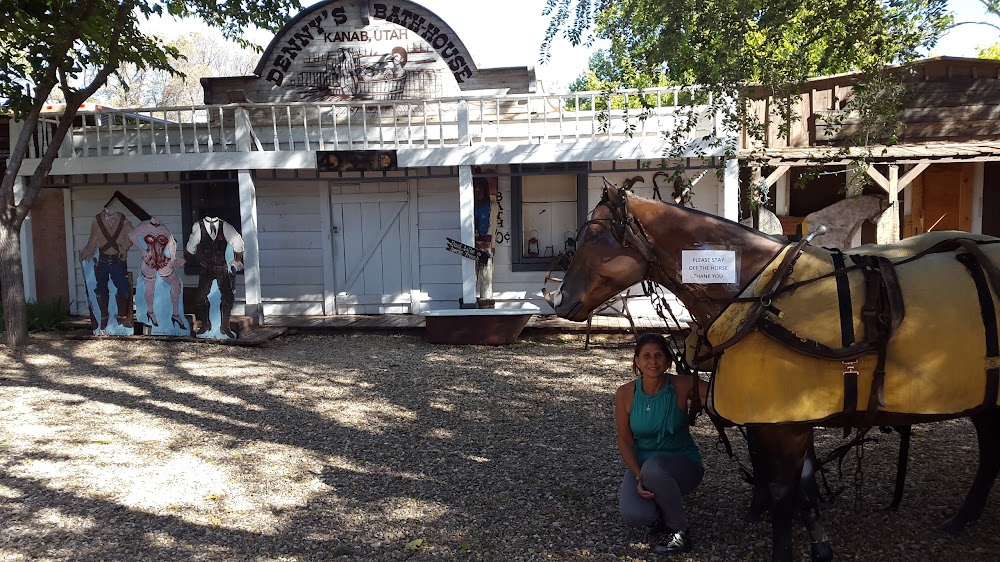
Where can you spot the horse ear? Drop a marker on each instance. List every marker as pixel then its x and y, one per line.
pixel 616 196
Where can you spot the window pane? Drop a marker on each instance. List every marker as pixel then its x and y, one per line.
pixel 548 214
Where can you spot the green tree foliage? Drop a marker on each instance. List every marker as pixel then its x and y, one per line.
pixel 723 45
pixel 756 49
pixel 991 52
pixel 774 42
pixel 201 56
pixel 75 46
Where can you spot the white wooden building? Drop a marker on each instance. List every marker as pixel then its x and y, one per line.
pixel 361 80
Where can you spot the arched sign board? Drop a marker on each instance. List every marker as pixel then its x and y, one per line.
pixel 357 50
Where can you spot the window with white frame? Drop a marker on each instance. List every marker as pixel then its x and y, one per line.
pixel 548 210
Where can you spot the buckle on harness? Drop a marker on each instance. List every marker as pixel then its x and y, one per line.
pixel 993 362
pixel 849 367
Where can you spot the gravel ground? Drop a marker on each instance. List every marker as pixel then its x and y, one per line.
pixel 376 447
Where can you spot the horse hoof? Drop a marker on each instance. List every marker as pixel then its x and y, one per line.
pixel 821 552
pixel 953 526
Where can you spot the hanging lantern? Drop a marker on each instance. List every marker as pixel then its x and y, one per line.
pixel 570 246
pixel 533 244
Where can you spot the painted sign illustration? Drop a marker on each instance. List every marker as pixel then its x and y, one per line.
pixel 218 249
pixel 365 51
pixel 105 274
pixel 161 284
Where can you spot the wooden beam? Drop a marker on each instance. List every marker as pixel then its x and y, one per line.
pixel 774 176
pixel 879 179
pixel 911 175
pixel 251 250
pixel 888 223
pixel 466 218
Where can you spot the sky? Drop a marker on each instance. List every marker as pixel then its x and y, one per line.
pixel 509 33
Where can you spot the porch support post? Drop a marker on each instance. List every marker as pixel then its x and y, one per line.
pixel 466 205
pixel 27 247
pixel 888 224
pixel 251 251
pixel 248 224
pixel 755 185
pixel 729 205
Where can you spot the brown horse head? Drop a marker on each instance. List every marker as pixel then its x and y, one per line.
pixel 605 263
pixel 629 239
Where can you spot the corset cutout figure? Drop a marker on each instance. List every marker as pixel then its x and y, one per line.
pixel 155 257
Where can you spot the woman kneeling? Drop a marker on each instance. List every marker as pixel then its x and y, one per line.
pixel 664 463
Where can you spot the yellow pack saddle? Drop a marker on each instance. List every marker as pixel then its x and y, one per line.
pixel 920 311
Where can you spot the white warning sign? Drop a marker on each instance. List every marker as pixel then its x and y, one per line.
pixel 708 266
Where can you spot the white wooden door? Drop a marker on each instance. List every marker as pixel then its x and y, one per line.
pixel 371 253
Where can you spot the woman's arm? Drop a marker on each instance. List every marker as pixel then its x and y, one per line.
pixel 683 383
pixel 626 441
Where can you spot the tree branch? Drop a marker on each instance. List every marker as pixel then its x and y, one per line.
pixel 986 23
pixel 73 101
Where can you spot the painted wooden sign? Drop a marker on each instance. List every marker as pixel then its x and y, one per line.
pixel 363 50
pixel 465 251
pixel 356 160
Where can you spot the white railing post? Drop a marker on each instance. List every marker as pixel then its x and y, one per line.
pixel 730 205
pixel 27 245
pixel 464 139
pixel 242 129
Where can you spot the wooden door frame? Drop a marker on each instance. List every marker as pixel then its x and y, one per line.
pixel 965 190
pixel 328 199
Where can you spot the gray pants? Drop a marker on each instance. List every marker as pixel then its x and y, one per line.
pixel 669 478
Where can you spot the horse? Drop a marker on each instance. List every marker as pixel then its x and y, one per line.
pixel 750 316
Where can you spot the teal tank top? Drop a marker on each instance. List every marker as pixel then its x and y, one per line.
pixel 659 426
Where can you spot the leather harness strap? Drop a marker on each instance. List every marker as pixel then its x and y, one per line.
pixel 846 330
pixel 881 314
pixel 112 239
pixel 988 310
pixel 762 301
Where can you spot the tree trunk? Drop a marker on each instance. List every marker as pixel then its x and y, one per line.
pixel 15 310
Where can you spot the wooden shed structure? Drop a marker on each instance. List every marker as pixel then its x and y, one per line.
pixel 942 174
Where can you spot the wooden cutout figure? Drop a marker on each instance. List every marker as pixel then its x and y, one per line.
pixel 161 282
pixel 218 249
pixel 483 195
pixel 105 273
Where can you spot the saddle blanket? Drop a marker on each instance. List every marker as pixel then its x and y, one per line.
pixel 936 358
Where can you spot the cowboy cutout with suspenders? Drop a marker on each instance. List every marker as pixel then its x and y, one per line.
pixel 109 238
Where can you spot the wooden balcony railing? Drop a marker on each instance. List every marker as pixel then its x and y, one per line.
pixel 359 125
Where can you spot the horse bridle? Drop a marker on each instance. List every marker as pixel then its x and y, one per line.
pixel 624 227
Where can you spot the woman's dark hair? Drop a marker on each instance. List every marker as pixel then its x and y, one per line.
pixel 653 338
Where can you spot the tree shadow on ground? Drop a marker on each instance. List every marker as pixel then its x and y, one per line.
pixel 484 453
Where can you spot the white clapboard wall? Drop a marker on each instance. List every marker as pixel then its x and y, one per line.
pixel 291 249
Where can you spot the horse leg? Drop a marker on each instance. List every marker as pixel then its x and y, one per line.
pixel 758 503
pixel 820 549
pixel 988 433
pixel 905 432
pixel 783 450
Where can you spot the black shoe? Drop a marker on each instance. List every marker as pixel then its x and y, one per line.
pixel 676 542
pixel 658 528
